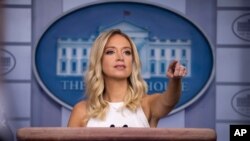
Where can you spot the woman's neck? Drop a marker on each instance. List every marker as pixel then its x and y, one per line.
pixel 115 90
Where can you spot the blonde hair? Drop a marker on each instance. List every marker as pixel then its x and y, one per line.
pixel 96 105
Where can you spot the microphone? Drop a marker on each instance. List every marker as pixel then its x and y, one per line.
pixel 125 126
pixel 113 126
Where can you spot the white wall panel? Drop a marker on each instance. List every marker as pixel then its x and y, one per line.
pixel 233 3
pixel 17 25
pixel 222 130
pixel 65 116
pixel 22 68
pixel 17 124
pixel 179 5
pixel 225 32
pixel 233 65
pixel 18 96
pixel 20 2
pixel 225 109
pixel 176 120
pixel 72 4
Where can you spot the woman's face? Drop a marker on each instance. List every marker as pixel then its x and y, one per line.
pixel 117 58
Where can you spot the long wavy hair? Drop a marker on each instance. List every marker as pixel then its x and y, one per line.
pixel 95 86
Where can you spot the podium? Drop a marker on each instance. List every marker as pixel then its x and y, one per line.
pixel 115 134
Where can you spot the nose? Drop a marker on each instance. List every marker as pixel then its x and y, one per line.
pixel 119 56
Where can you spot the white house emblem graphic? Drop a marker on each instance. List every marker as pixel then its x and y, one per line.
pixel 156 53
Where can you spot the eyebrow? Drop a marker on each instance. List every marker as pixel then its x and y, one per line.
pixel 107 47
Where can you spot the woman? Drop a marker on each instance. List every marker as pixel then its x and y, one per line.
pixel 117 92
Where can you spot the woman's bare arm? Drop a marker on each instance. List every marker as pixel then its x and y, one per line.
pixel 162 104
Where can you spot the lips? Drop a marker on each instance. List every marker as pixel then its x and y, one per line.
pixel 120 66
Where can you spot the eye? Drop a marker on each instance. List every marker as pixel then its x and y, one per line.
pixel 109 52
pixel 128 52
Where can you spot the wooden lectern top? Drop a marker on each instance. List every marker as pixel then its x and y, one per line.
pixel 115 134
